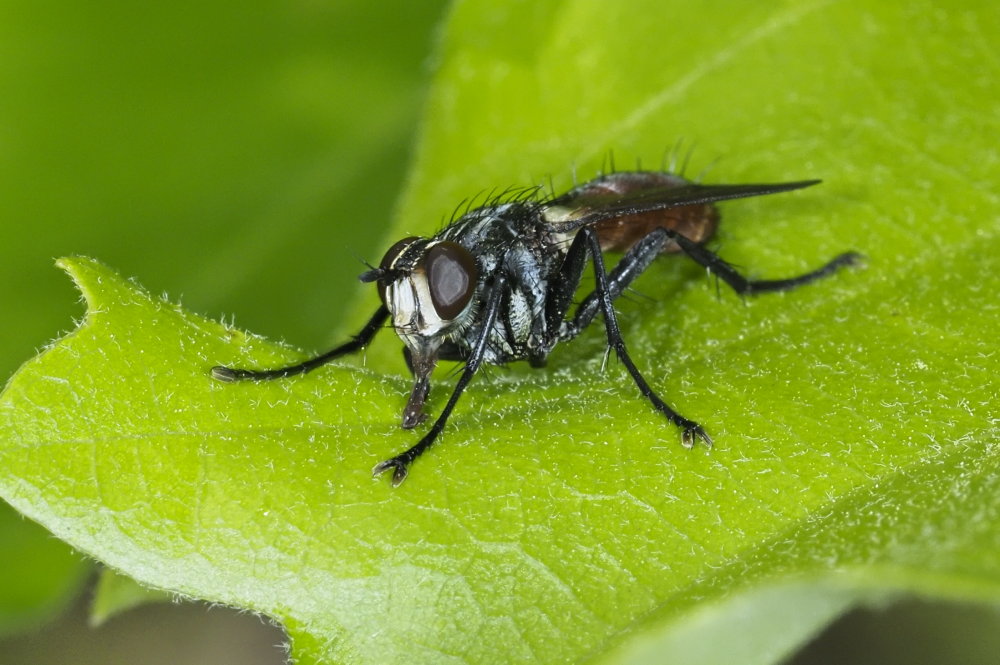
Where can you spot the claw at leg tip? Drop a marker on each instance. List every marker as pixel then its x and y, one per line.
pixel 398 476
pixel 690 437
pixel 398 473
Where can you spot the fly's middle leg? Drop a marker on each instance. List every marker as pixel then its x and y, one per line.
pixel 691 431
pixel 632 264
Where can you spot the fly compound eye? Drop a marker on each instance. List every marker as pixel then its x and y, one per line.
pixel 451 278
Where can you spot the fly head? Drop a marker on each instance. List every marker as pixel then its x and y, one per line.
pixel 428 287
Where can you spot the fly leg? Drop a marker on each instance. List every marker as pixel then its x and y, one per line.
pixel 413 413
pixel 604 295
pixel 564 285
pixel 400 463
pixel 634 263
pixel 560 295
pixel 642 254
pixel 361 340
pixel 745 286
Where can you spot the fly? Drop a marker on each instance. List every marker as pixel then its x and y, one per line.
pixel 497 284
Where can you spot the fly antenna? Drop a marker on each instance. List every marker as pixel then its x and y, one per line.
pixel 381 275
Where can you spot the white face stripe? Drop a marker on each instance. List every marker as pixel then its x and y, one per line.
pixel 409 300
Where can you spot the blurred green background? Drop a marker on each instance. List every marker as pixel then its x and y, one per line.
pixel 226 153
pixel 244 157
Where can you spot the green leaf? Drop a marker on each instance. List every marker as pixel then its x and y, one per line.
pixel 558 519
pixel 766 624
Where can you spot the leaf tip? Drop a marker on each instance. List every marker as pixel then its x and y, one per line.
pixel 86 273
pixel 99 284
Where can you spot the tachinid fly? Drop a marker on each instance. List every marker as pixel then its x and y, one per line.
pixel 497 284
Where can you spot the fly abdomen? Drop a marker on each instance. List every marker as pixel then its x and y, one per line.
pixel 696 221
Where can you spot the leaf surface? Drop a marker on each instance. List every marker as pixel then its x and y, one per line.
pixel 558 519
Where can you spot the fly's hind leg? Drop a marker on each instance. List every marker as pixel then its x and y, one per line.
pixel 642 254
pixel 611 285
pixel 744 286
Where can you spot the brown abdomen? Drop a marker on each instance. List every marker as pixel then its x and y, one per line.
pixel 696 222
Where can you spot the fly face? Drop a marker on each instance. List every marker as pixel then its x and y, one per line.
pixel 427 287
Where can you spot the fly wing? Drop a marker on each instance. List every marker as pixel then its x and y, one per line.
pixel 588 206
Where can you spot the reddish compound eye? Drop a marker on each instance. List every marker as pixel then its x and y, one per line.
pixel 451 278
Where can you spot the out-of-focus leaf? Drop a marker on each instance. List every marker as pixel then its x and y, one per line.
pixel 116 593
pixel 40 574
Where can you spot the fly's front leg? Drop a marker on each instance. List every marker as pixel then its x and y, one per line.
pixel 361 340
pixel 413 413
pixel 560 295
pixel 565 283
pixel 401 463
pixel 604 295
